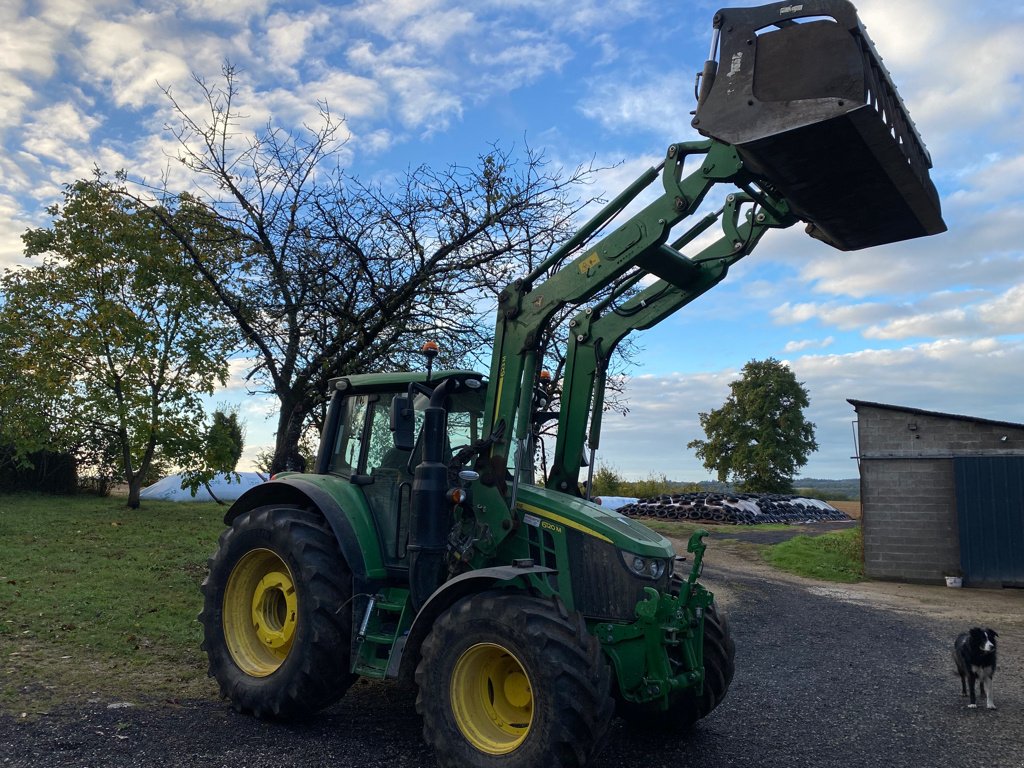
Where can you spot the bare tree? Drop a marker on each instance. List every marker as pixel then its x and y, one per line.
pixel 326 275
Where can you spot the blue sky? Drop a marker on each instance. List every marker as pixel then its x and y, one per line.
pixel 936 323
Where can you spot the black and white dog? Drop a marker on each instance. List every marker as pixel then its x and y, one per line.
pixel 975 654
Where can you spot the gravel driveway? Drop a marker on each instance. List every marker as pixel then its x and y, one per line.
pixel 826 676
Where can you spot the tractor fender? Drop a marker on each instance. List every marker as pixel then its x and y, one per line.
pixel 406 655
pixel 294 489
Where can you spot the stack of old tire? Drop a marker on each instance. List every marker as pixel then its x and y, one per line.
pixel 734 509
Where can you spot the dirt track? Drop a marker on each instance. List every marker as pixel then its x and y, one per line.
pixel 827 676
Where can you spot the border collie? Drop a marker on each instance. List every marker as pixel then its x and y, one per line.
pixel 975 654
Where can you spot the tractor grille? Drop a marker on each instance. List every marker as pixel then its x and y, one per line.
pixel 603 588
pixel 542 547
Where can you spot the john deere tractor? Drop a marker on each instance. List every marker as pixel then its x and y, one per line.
pixel 421 546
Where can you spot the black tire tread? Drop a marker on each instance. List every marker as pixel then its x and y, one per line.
pixel 580 679
pixel 316 673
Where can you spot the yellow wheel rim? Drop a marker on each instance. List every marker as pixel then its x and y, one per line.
pixel 492 699
pixel 260 612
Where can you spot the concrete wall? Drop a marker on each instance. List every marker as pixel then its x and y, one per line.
pixel 911 531
pixel 909 519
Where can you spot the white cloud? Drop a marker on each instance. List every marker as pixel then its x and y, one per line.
pixel 943 314
pixel 347 95
pixel 389 17
pixel 287 36
pixel 436 30
pixel 225 10
pixel 845 317
pixel 947 323
pixel 609 51
pixel 525 59
pixel 800 346
pixel 15 223
pixel 15 96
pixel 119 58
pixel 28 44
pixel 56 130
pixel 374 142
pixel 423 94
pixel 952 375
pixel 633 104
pixel 990 180
pixel 582 17
pixel 1006 311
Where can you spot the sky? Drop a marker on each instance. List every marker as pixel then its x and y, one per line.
pixel 935 323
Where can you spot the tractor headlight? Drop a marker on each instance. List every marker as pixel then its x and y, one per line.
pixel 652 568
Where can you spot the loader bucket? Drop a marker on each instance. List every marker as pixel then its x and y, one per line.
pixel 813 112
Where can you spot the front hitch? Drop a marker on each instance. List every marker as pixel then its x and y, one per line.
pixel 662 652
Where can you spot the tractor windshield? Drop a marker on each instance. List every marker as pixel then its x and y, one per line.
pixel 365 441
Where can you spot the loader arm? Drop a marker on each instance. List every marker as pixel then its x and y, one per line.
pixel 579 270
pixel 595 332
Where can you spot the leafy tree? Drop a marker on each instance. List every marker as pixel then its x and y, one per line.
pixel 33 410
pixel 225 441
pixel 221 451
pixel 114 332
pixel 607 482
pixel 329 275
pixel 759 437
pixel 654 485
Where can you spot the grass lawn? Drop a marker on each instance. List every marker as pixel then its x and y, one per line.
pixel 837 556
pixel 99 599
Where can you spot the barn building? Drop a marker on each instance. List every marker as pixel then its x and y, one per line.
pixel 941 494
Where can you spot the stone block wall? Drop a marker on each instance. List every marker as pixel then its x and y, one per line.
pixel 909 519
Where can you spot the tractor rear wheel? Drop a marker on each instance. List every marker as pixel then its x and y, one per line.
pixel 512 681
pixel 277 643
pixel 687 707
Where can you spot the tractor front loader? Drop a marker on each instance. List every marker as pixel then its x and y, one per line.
pixel 422 547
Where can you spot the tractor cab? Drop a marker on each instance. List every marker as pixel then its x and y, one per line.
pixel 358 443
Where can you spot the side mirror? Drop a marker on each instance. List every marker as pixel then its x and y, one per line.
pixel 403 423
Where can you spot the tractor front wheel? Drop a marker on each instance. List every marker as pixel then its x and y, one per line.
pixel 277 643
pixel 511 681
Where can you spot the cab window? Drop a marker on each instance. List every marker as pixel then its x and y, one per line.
pixel 348 447
pixel 381 450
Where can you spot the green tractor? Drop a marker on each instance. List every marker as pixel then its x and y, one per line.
pixel 421 546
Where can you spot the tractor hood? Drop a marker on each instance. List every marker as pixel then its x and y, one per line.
pixel 552 507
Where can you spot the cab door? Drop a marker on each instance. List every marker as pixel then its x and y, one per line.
pixel 363 452
pixel 387 476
